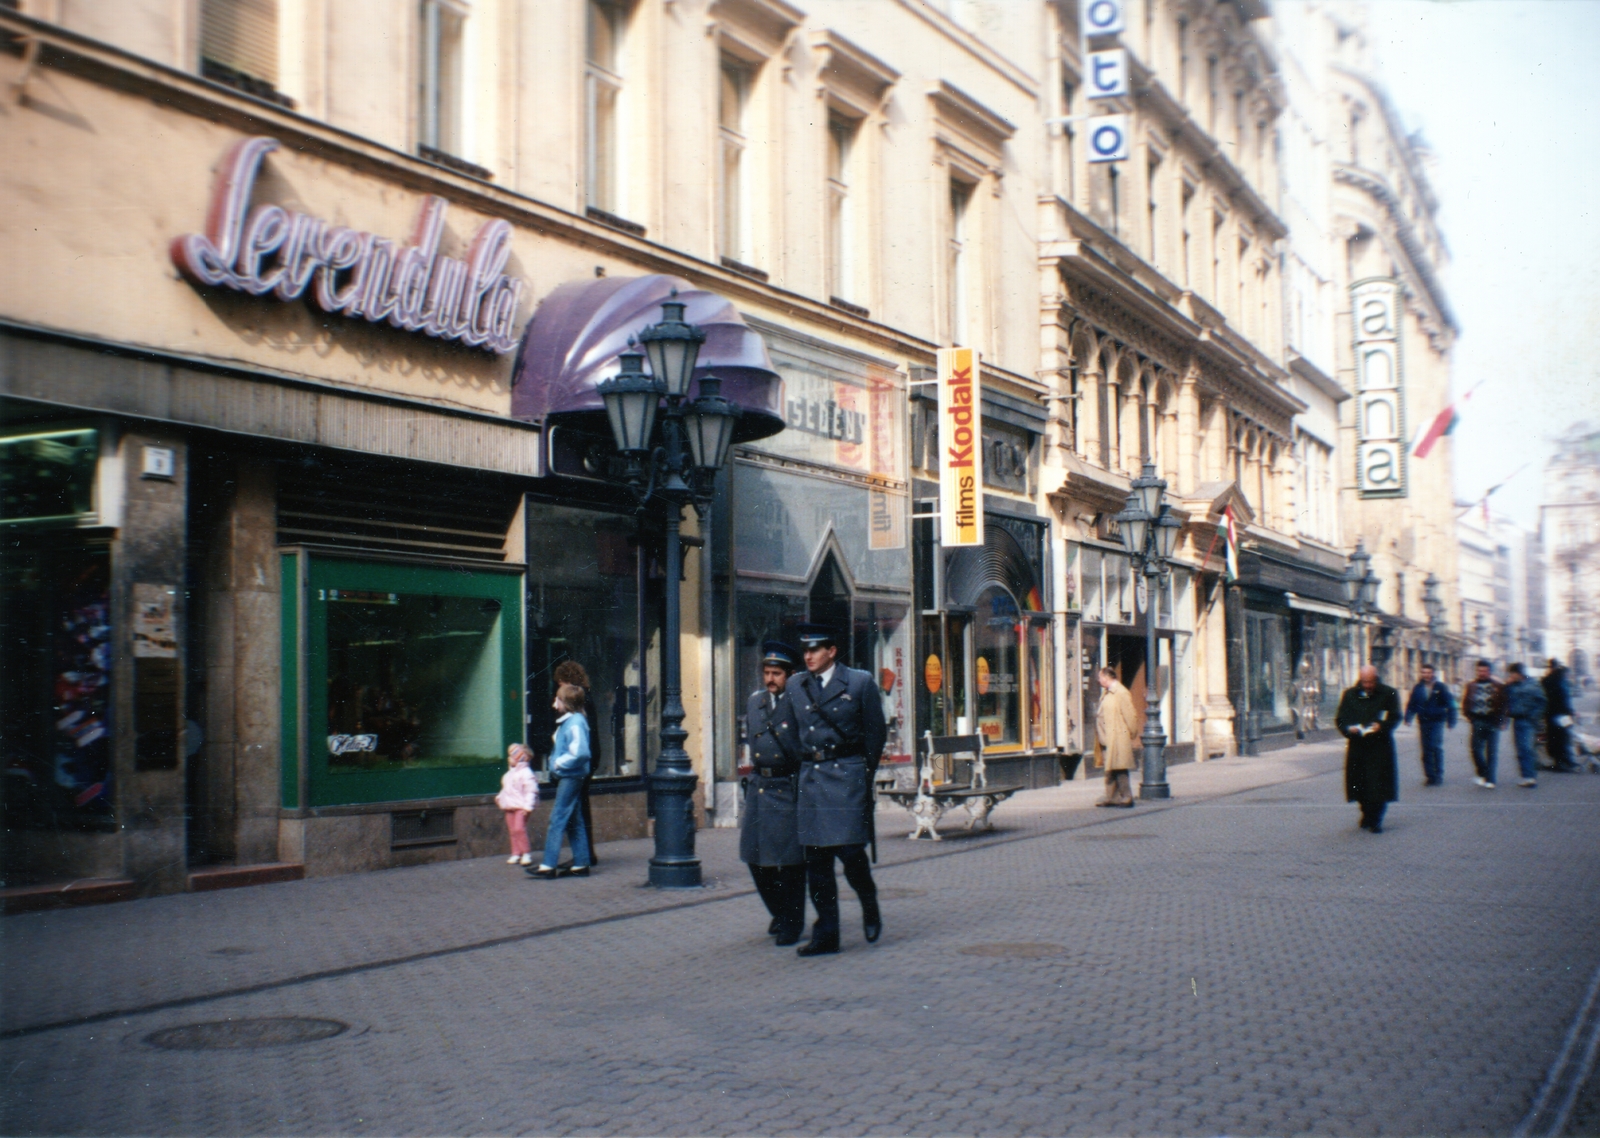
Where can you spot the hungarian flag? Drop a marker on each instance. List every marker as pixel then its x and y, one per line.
pixel 1442 425
pixel 1230 533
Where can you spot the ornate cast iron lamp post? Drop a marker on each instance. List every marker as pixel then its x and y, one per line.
pixel 672 456
pixel 1149 532
pixel 1361 592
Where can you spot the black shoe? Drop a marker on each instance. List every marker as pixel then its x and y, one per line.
pixel 547 874
pixel 775 927
pixel 871 921
pixel 786 937
pixel 1376 828
pixel 815 947
pixel 578 871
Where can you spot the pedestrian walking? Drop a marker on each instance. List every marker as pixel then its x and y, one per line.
pixel 1368 714
pixel 1559 717
pixel 1525 706
pixel 519 794
pixel 769 837
pixel 842 733
pixel 1434 708
pixel 1116 727
pixel 1484 704
pixel 569 763
pixel 572 672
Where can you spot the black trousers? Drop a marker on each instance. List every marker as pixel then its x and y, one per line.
pixel 825 887
pixel 783 891
pixel 1372 813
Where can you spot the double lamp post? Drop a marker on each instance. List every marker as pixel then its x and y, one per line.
pixel 672 448
pixel 1149 532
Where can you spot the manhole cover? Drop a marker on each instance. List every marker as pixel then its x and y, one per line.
pixel 1023 951
pixel 227 1035
pixel 896 892
pixel 1112 837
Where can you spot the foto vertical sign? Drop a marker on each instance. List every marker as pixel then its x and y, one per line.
pixel 960 452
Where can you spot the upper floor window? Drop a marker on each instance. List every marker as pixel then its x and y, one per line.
pixel 439 117
pixel 605 22
pixel 239 45
pixel 1153 208
pixel 958 264
pixel 842 133
pixel 732 188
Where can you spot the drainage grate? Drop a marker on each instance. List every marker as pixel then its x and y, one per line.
pixel 232 1034
pixel 1023 951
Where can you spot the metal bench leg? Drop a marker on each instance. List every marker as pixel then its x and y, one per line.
pixel 978 811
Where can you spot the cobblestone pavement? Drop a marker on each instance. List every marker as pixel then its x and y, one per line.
pixel 1241 961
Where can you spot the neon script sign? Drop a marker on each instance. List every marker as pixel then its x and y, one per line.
pixel 349 272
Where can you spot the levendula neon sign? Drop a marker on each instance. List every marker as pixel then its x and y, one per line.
pixel 272 250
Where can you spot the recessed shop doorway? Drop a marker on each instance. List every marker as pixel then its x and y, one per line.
pixel 1126 654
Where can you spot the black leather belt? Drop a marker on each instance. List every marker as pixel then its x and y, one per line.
pixel 826 756
pixel 774 772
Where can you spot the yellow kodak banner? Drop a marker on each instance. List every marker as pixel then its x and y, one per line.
pixel 960 449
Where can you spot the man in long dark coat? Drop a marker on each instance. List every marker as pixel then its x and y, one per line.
pixel 1368 715
pixel 769 842
pixel 842 733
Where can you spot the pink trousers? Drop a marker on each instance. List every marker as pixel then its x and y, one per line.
pixel 517 826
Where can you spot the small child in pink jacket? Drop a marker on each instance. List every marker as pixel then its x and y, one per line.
pixel 519 794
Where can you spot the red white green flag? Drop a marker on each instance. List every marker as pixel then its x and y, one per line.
pixel 1230 532
pixel 1443 423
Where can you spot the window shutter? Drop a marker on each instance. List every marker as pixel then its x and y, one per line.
pixel 241 35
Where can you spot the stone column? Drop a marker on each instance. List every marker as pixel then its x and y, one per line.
pixel 149 629
pixel 1189 430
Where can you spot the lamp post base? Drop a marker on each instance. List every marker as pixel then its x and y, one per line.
pixel 1153 784
pixel 674 865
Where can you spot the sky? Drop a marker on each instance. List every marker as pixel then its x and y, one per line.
pixel 1507 93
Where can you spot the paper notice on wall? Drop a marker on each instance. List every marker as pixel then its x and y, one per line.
pixel 960 452
pixel 886 505
pixel 153 633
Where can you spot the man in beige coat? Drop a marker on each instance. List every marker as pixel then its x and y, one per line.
pixel 1116 727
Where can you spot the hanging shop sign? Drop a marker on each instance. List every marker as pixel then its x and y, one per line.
pixel 1380 389
pixel 961 449
pixel 1102 17
pixel 1108 74
pixel 271 250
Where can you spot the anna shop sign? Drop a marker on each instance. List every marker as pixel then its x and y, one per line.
pixel 270 250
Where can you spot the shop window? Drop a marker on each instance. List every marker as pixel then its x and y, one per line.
pixel 413 677
pixel 1093 605
pixel 997 668
pixel 1267 650
pixel 55 704
pixel 1041 685
pixel 48 476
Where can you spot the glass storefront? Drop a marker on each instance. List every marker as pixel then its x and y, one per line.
pixel 1268 675
pixel 412 678
pixel 591 599
pixel 1111 633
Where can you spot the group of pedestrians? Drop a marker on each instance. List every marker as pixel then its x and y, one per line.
pixel 571 769
pixel 815 741
pixel 1370 712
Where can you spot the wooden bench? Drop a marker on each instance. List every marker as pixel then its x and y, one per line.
pixel 928 802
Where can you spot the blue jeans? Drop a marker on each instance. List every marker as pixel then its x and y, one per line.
pixel 1525 730
pixel 565 812
pixel 1432 733
pixel 1485 748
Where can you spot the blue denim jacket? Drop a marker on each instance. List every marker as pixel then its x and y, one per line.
pixel 569 755
pixel 1431 703
pixel 1524 700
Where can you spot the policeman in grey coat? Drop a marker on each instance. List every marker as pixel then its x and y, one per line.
pixel 768 840
pixel 842 733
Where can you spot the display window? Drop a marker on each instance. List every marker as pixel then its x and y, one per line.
pixel 1267 656
pixel 407 678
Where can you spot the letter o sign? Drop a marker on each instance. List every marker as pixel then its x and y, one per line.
pixel 1102 17
pixel 1108 138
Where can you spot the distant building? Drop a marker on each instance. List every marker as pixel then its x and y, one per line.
pixel 1569 525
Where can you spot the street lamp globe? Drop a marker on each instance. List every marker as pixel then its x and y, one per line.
pixel 1369 590
pixel 1148 489
pixel 1132 526
pixel 1167 529
pixel 708 422
pixel 631 398
pixel 1354 574
pixel 673 347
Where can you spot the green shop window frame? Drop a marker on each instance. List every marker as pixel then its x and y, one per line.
pixel 444 619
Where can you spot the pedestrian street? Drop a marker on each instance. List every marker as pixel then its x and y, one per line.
pixel 1239 960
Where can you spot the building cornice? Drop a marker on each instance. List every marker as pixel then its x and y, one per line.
pixel 973 45
pixel 1417 259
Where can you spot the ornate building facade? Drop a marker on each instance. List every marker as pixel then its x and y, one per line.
pixel 1569 524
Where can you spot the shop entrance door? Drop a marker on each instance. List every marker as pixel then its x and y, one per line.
pixel 1126 655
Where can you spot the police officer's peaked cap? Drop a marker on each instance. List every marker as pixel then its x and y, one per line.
pixel 816 636
pixel 777 654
